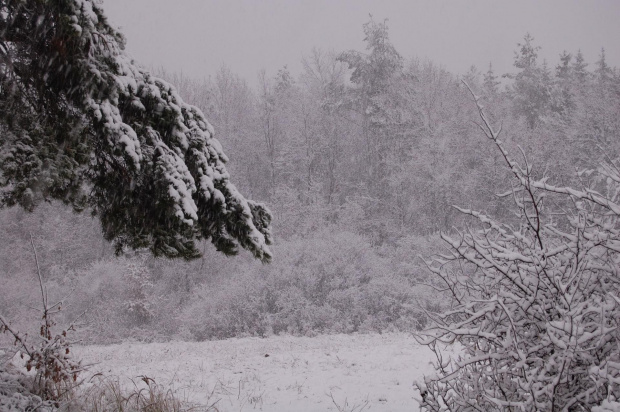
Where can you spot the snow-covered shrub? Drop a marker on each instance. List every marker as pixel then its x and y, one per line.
pixel 234 308
pixel 138 285
pixel 536 309
pixel 333 282
pixel 50 370
pixel 116 301
pixel 15 394
pixel 108 394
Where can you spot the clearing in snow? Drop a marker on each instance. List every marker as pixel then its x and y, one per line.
pixel 281 373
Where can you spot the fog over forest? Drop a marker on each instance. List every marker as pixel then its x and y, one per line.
pixel 354 191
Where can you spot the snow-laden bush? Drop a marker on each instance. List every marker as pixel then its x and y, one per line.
pixel 15 394
pixel 117 301
pixel 536 304
pixel 329 283
pixel 43 371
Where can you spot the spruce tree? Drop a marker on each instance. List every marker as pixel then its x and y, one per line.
pixel 564 69
pixel 490 82
pixel 82 123
pixel 603 72
pixel 579 68
pixel 531 89
pixel 563 96
pixel 376 76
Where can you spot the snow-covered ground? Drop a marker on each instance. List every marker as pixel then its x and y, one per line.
pixel 280 373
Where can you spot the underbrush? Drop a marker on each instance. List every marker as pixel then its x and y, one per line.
pixel 39 372
pixel 16 393
pixel 108 395
pixel 331 283
pixel 99 395
pixel 328 280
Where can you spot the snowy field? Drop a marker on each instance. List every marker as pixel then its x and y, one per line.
pixel 280 373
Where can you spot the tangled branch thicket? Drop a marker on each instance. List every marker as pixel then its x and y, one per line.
pixel 55 371
pixel 536 303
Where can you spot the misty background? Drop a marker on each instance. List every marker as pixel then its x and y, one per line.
pixel 198 36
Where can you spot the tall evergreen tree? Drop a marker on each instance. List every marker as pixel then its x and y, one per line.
pixel 603 72
pixel 376 76
pixel 563 96
pixel 531 89
pixel 82 123
pixel 579 68
pixel 564 69
pixel 490 82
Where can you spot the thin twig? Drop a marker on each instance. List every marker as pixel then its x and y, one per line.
pixel 36 260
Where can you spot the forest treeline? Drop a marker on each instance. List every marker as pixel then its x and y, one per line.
pixel 361 158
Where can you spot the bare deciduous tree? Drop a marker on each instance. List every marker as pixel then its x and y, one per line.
pixel 536 306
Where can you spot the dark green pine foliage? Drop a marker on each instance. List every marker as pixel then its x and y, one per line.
pixel 82 123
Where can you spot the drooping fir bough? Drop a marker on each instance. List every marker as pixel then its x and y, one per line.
pixel 82 123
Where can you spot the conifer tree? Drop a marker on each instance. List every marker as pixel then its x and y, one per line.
pixel 376 76
pixel 82 123
pixel 579 68
pixel 603 72
pixel 564 69
pixel 531 89
pixel 563 96
pixel 490 82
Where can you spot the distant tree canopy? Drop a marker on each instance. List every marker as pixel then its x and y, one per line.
pixel 81 123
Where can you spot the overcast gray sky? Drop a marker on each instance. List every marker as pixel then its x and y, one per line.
pixel 198 36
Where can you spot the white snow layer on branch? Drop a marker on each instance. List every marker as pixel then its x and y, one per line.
pixel 537 312
pixel 192 136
